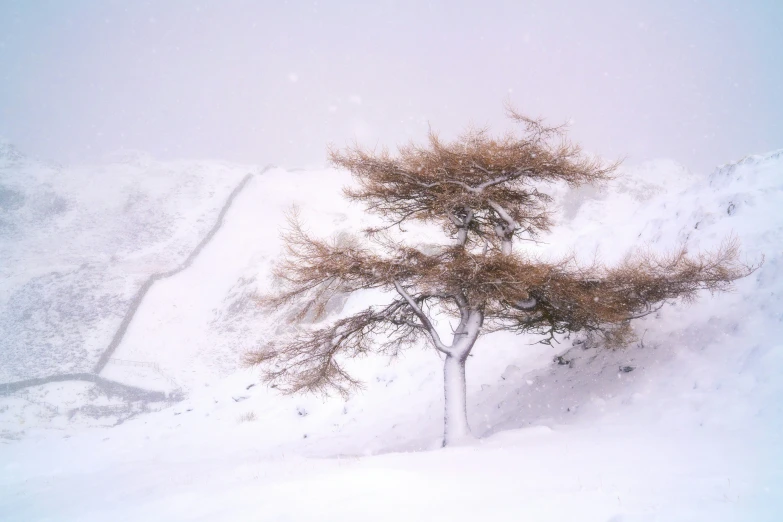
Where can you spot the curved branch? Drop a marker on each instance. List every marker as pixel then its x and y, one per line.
pixel 425 321
pixel 504 215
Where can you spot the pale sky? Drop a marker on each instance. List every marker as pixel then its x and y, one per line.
pixel 274 82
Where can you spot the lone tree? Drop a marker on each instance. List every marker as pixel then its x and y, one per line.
pixel 486 193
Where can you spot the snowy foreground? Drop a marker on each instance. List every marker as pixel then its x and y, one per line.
pixel 685 425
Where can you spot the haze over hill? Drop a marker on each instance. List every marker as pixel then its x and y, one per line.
pixel 273 82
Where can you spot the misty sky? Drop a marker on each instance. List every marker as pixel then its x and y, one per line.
pixel 274 82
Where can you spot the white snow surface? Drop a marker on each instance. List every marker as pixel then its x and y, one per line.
pixel 694 432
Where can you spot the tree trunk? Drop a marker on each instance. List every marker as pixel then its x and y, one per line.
pixel 455 420
pixel 506 247
pixel 462 236
pixel 456 429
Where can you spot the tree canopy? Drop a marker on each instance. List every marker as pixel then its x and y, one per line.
pixel 485 192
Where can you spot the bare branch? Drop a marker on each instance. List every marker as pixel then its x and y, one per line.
pixel 425 321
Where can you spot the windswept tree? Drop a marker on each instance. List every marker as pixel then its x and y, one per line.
pixel 486 193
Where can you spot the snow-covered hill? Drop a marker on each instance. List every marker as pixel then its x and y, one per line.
pixel 684 425
pixel 77 243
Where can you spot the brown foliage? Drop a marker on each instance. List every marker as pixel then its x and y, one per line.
pixel 486 188
pixel 478 182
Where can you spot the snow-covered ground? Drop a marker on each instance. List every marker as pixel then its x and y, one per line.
pixel 691 428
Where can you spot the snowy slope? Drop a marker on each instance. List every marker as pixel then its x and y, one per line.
pixel 691 432
pixel 76 244
pixel 187 324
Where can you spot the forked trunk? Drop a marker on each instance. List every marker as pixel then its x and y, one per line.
pixel 455 420
pixel 456 429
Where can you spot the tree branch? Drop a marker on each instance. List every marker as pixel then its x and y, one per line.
pixel 425 321
pixel 504 215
